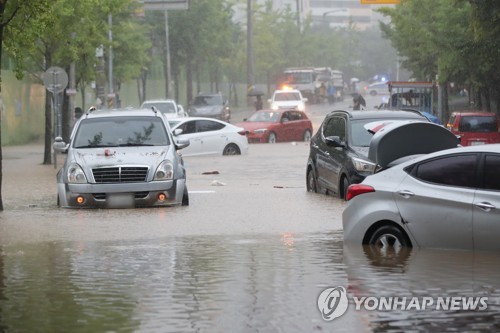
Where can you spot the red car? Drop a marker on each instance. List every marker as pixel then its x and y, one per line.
pixel 277 126
pixel 475 128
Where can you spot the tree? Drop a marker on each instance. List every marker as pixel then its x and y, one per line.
pixel 15 15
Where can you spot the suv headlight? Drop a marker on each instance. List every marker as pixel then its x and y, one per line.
pixel 363 165
pixel 76 175
pixel 260 131
pixel 165 171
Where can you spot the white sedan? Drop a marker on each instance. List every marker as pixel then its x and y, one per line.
pixel 209 136
pixel 168 107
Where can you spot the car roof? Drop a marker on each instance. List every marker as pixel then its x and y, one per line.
pixel 489 148
pixel 183 120
pixel 474 113
pixel 286 91
pixel 381 114
pixel 208 94
pixel 121 112
pixel 159 101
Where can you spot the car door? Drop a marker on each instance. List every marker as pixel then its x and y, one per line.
pixel 486 206
pixel 293 125
pixel 212 139
pixel 189 132
pixel 329 159
pixel 435 201
pixel 285 130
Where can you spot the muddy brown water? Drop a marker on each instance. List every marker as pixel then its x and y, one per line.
pixel 250 255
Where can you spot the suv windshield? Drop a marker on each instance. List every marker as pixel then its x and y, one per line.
pixel 478 124
pixel 207 100
pixel 287 96
pixel 121 131
pixel 359 135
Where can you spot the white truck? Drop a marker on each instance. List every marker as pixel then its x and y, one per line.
pixel 309 80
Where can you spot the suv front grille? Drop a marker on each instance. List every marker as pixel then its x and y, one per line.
pixel 120 175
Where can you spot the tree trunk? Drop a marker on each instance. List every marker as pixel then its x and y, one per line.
pixel 487 99
pixel 48 129
pixel 446 105
pixel 2 11
pixel 189 79
pixel 66 118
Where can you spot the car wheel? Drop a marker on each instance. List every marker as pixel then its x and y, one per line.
pixel 389 238
pixel 272 138
pixel 311 182
pixel 231 149
pixel 185 197
pixel 307 136
pixel 345 185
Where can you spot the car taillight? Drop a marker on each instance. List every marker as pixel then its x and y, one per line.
pixel 357 189
pixel 243 132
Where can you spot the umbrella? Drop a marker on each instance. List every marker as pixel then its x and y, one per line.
pixel 432 117
pixel 255 92
pixel 359 98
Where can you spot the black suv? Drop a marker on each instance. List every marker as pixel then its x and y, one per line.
pixel 338 153
pixel 211 106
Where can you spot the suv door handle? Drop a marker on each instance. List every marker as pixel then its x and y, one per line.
pixel 486 206
pixel 406 194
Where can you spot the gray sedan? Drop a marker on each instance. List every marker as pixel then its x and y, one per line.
pixel 447 199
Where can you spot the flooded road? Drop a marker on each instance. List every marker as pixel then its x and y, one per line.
pixel 252 253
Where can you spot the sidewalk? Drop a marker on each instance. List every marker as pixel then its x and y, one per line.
pixel 24 177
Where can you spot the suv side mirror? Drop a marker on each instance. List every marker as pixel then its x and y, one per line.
pixel 182 143
pixel 59 145
pixel 334 141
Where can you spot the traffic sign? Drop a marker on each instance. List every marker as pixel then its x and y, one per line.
pixel 55 79
pixel 165 4
pixel 380 2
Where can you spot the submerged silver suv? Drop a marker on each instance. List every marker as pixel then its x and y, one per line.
pixel 121 158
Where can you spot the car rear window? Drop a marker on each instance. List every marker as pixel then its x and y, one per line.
pixel 121 131
pixel 478 124
pixel 163 107
pixel 207 100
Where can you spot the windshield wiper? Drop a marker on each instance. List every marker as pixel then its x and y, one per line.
pixel 96 146
pixel 131 144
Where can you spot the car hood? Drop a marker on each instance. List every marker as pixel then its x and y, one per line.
pixel 253 125
pixel 113 156
pixel 206 110
pixel 401 139
pixel 286 103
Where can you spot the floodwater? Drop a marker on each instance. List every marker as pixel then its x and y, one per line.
pixel 252 253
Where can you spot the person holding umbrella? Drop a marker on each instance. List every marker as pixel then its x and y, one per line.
pixel 358 101
pixel 259 104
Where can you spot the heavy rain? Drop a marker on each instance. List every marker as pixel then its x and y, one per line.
pixel 255 249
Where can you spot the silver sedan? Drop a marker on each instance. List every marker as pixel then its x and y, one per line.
pixel 447 199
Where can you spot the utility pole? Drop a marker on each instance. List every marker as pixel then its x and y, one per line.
pixel 250 76
pixel 167 58
pixel 111 94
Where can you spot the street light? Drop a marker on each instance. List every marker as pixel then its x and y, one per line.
pixel 330 12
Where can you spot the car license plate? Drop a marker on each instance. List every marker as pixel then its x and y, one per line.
pixel 120 200
pixel 477 143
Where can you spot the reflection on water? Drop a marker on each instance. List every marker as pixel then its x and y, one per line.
pixel 179 284
pixel 426 273
pixel 254 283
